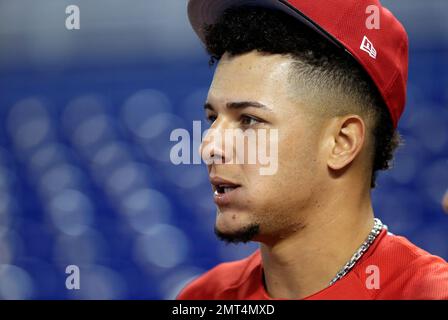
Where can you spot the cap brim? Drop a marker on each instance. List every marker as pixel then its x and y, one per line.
pixel 206 12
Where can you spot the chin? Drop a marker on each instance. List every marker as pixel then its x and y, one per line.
pixel 230 219
pixel 236 232
pixel 242 235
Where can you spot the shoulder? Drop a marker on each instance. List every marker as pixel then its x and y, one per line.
pixel 407 271
pixel 214 283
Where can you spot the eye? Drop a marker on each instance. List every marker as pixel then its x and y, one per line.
pixel 247 120
pixel 211 118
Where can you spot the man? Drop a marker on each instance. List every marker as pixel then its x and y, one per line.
pixel 330 78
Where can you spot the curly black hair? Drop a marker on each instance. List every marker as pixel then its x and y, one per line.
pixel 246 28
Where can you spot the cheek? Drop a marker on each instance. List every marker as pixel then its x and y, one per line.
pixel 295 178
pixel 298 154
pixel 297 166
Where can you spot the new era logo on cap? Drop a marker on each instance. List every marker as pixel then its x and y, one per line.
pixel 367 46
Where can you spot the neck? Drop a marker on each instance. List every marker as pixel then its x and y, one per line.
pixel 306 261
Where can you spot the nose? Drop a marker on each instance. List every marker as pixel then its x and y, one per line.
pixel 212 148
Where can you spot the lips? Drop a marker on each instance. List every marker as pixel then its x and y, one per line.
pixel 225 191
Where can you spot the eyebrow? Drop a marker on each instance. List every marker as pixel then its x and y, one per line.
pixel 240 105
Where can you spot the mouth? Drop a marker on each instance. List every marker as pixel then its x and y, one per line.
pixel 224 191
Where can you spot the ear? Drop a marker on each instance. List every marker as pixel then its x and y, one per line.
pixel 348 137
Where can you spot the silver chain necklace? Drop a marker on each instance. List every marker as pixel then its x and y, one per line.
pixel 377 227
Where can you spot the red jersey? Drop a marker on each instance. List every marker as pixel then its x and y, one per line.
pixel 405 272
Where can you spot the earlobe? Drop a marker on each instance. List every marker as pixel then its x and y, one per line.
pixel 348 139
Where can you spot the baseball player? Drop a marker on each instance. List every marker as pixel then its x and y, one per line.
pixel 330 78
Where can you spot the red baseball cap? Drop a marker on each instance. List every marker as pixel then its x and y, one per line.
pixel 364 28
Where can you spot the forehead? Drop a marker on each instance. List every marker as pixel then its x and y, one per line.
pixel 250 76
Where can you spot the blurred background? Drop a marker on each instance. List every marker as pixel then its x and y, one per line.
pixel 85 175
